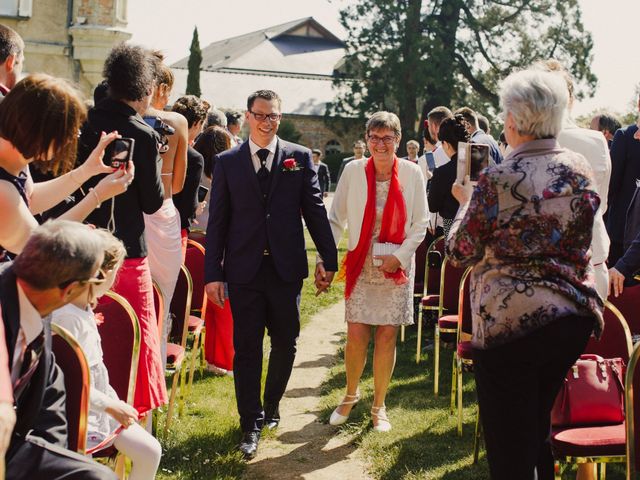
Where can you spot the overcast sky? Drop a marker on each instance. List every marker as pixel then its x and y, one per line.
pixel 612 23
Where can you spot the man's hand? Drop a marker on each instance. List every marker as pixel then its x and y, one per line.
pixel 390 263
pixel 616 282
pixel 215 292
pixel 323 278
pixel 123 413
pixel 7 421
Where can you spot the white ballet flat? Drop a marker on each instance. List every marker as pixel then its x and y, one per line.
pixel 381 423
pixel 336 418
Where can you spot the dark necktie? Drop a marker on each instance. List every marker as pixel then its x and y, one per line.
pixel 263 171
pixel 30 361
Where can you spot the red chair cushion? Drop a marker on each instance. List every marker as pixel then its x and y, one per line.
pixel 589 441
pixel 195 323
pixel 430 301
pixel 175 354
pixel 448 322
pixel 465 351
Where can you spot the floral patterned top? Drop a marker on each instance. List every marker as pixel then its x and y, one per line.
pixel 527 231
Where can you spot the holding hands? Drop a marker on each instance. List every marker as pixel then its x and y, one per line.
pixel 323 279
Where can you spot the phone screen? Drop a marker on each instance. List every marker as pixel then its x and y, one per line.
pixel 479 160
pixel 202 193
pixel 119 152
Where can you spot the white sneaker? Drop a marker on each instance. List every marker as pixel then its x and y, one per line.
pixel 338 419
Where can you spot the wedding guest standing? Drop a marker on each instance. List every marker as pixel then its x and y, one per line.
pixel 526 231
pixel 261 190
pixel 379 199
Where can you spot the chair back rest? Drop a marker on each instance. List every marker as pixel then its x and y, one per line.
pixel 616 336
pixel 120 339
pixel 629 305
pixel 465 324
pixel 433 267
pixel 421 257
pixel 180 308
pixel 632 414
pixel 194 261
pixel 450 279
pixel 158 306
pixel 73 363
pixel 198 235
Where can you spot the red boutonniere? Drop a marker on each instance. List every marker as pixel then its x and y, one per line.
pixel 290 165
pixel 99 317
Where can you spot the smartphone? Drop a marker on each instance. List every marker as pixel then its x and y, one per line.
pixel 119 152
pixel 202 193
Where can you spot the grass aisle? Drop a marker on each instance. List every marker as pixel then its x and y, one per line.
pixel 201 444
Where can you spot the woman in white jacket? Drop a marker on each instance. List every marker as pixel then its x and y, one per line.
pixel 382 201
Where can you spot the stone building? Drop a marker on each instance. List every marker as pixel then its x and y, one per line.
pixel 67 38
pixel 296 59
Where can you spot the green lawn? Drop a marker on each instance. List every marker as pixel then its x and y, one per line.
pixel 201 444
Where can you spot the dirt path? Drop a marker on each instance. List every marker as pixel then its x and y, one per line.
pixel 304 448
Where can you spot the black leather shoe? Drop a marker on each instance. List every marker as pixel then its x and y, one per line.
pixel 249 444
pixel 271 418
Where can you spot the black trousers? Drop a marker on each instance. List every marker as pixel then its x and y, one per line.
pixel 271 304
pixel 35 458
pixel 517 384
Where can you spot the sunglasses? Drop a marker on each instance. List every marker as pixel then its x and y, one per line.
pixel 100 278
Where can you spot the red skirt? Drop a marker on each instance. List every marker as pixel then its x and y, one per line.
pixel 134 284
pixel 218 339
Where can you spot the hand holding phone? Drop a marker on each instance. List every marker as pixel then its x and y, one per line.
pixel 119 152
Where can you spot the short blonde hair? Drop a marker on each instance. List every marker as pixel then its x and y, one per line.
pixel 381 120
pixel 414 143
pixel 114 250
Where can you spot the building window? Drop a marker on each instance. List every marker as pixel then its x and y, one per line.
pixel 15 8
pixel 121 10
pixel 332 146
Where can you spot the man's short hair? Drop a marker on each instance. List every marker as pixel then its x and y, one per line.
pixel 42 111
pixel 317 151
pixel 608 122
pixel 438 114
pixel 10 43
pixel 483 123
pixel 193 108
pixel 216 118
pixel 267 95
pixel 414 143
pixel 58 253
pixel 469 115
pixel 234 117
pixel 130 72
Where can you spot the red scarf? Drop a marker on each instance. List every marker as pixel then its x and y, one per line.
pixel 394 217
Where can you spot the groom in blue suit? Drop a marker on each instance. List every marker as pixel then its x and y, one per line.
pixel 261 190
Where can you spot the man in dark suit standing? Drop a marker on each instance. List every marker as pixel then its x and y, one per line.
pixel 625 170
pixel 58 263
pixel 255 243
pixel 322 169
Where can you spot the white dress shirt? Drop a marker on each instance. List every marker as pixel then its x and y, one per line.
pixel 30 328
pixel 439 157
pixel 254 153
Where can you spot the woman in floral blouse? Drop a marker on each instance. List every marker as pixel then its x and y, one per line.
pixel 526 230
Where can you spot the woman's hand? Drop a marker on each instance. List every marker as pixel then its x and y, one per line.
pixel 200 209
pixel 115 183
pixel 123 413
pixel 390 263
pixel 93 165
pixel 616 282
pixel 462 192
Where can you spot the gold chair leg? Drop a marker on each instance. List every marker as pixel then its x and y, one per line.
pixel 183 387
pixel 436 360
pixel 203 360
pixel 477 438
pixel 454 385
pixel 459 378
pixel 172 399
pixel 402 333
pixel 419 339
pixel 194 355
pixel 603 471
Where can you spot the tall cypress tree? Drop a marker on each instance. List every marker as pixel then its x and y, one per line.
pixel 195 59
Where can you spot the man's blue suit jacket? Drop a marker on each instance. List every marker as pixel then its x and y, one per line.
pixel 242 223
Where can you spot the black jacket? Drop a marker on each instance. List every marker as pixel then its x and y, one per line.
pixel 41 408
pixel 186 201
pixel 145 194
pixel 440 199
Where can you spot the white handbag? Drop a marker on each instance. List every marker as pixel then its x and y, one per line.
pixel 383 249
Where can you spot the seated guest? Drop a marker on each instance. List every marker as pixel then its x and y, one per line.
pixel 39 123
pixel 111 421
pixel 58 262
pixel 526 231
pixel 441 201
pixel 195 111
pixel 130 74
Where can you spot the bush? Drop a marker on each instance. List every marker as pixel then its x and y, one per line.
pixel 333 161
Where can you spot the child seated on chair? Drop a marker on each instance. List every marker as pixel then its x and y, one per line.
pixel 111 421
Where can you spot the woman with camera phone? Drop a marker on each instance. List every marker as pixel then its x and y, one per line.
pixel 382 202
pixel 53 107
